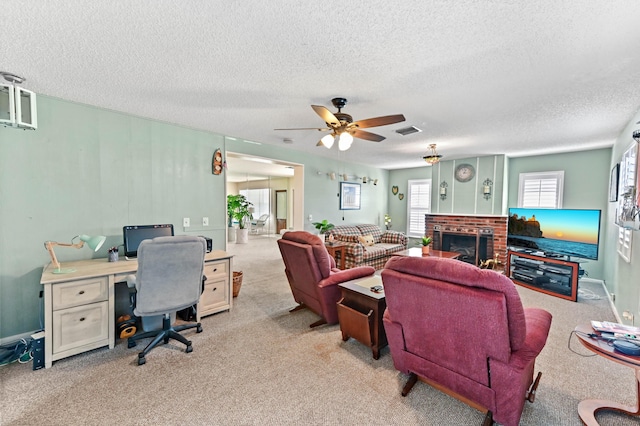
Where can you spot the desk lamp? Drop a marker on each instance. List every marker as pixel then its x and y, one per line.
pixel 93 242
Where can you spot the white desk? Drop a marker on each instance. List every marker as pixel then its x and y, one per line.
pixel 79 307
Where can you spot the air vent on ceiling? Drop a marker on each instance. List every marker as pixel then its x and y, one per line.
pixel 408 130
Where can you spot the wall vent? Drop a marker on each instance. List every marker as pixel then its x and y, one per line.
pixel 408 130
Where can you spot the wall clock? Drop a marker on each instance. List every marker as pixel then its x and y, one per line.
pixel 465 172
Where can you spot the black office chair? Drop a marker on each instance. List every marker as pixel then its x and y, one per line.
pixel 169 278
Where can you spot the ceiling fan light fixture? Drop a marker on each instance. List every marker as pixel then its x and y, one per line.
pixel 327 141
pixel 433 157
pixel 344 141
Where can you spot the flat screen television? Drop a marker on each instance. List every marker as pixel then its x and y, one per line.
pixel 134 234
pixel 555 232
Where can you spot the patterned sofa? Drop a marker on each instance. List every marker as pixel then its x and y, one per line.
pixel 357 254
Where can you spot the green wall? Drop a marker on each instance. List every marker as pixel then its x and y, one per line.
pixel 87 170
pixel 321 194
pixel 90 170
pixel 397 207
pixel 462 197
pixel 586 186
pixel 622 278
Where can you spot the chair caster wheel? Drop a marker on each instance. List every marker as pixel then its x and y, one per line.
pixel 199 329
pixel 141 360
pixel 189 349
pixel 131 344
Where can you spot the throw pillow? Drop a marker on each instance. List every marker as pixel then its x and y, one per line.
pixel 366 240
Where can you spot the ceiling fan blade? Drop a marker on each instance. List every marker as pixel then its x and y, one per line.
pixel 379 121
pixel 322 129
pixel 361 134
pixel 326 115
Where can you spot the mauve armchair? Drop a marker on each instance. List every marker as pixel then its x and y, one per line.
pixel 463 330
pixel 313 276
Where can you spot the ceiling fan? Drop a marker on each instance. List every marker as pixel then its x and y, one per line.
pixel 344 129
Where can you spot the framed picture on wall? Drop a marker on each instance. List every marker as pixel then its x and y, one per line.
pixel 627 211
pixel 613 183
pixel 349 196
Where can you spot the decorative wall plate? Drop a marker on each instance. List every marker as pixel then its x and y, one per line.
pixel 216 164
pixel 394 190
pixel 400 196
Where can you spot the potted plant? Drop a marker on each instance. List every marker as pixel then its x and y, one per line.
pixel 387 221
pixel 238 208
pixel 425 242
pixel 323 226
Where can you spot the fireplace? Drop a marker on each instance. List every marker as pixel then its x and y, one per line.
pixel 476 238
pixel 474 245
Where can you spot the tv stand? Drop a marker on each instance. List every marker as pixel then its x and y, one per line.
pixel 550 275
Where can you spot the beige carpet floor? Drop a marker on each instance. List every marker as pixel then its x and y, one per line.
pixel 261 365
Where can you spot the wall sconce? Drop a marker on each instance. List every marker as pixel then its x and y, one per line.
pixel 486 188
pixel 332 175
pixel 375 181
pixel 443 190
pixel 364 180
pixel 345 177
pixel 17 105
pixel 93 242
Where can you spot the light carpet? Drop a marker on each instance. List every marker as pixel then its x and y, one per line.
pixel 261 365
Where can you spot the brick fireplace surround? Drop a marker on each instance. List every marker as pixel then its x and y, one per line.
pixel 470 224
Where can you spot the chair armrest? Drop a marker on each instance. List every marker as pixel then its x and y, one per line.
pixel 347 275
pixel 394 237
pixel 538 324
pixel 353 250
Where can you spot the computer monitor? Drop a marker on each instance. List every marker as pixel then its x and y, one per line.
pixel 134 234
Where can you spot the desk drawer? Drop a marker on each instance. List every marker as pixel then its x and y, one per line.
pixel 81 292
pixel 215 293
pixel 213 270
pixel 80 325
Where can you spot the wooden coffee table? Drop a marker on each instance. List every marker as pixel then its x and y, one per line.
pixel 360 313
pixel 417 252
pixel 589 407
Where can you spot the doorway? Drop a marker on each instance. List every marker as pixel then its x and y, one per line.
pixel 284 182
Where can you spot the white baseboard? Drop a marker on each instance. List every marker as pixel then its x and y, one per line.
pixel 606 291
pixel 17 337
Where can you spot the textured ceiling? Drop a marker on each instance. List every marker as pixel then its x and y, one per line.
pixel 479 78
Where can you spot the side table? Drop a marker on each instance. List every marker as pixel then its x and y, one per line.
pixel 360 313
pixel 589 407
pixel 336 248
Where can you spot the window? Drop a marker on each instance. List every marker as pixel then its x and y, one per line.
pixel 418 204
pixel 260 200
pixel 542 189
pixel 624 243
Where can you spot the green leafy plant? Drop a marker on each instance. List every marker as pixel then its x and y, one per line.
pixel 426 241
pixel 323 226
pixel 238 209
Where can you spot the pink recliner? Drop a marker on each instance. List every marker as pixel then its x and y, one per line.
pixel 463 330
pixel 313 276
